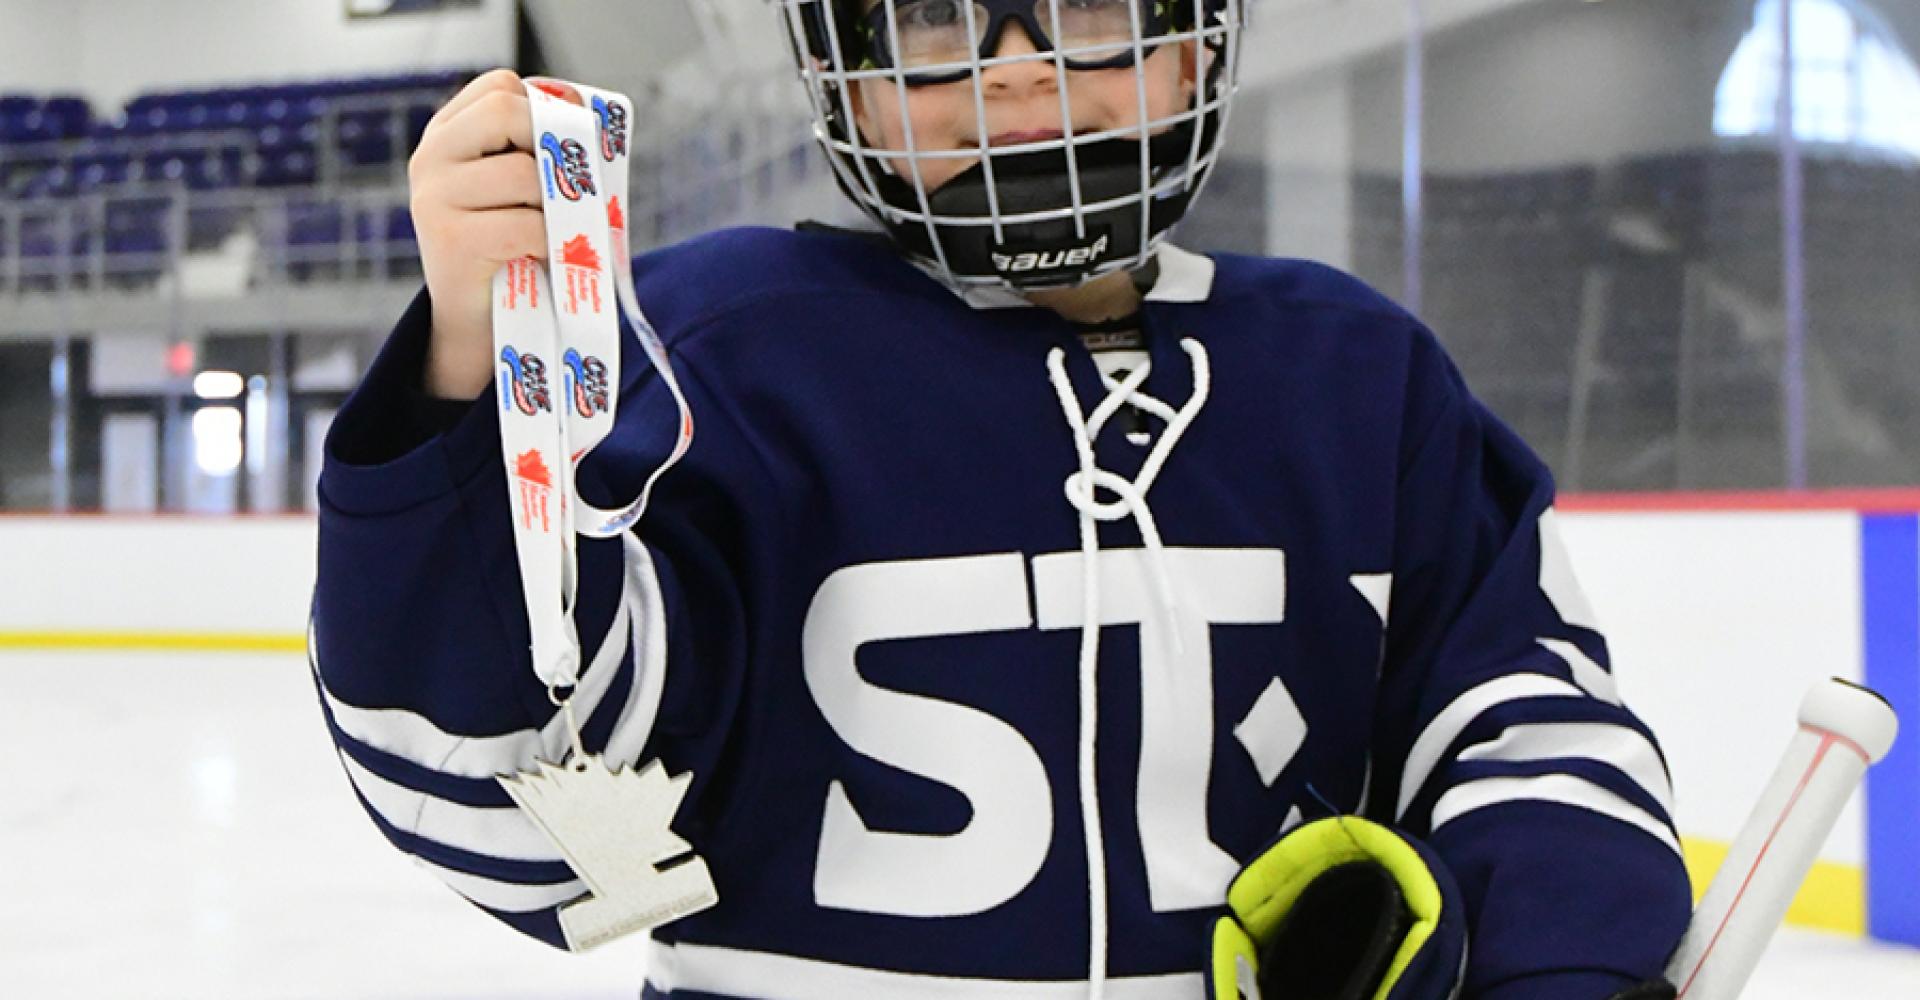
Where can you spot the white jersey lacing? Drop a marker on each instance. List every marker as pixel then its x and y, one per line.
pixel 1132 502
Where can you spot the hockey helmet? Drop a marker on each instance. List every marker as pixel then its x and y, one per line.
pixel 1055 212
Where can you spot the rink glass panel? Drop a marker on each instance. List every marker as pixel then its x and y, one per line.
pixel 1598 232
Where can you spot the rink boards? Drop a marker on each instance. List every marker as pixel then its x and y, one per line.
pixel 1719 610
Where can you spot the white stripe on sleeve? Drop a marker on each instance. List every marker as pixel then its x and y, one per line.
pixel 1561 788
pixel 415 738
pixel 1619 746
pixel 646 606
pixel 1446 727
pixel 509 897
pixel 735 972
pixel 1557 579
pixel 1586 673
pixel 497 831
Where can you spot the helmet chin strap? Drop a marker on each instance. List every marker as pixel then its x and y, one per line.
pixel 1053 252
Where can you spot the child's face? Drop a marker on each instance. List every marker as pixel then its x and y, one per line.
pixel 1022 102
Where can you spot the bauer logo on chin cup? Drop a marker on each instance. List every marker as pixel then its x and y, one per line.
pixel 1030 261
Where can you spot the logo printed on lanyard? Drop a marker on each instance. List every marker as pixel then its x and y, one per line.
pixel 568 174
pixel 586 383
pixel 522 285
pixel 613 128
pixel 535 481
pixel 527 382
pixel 582 263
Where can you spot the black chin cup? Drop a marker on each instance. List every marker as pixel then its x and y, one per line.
pixel 1054 252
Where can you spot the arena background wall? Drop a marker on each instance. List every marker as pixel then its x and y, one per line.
pixel 111 50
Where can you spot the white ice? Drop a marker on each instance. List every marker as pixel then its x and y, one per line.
pixel 177 826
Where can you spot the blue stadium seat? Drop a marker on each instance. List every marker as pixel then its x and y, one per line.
pixel 367 137
pixel 315 223
pixel 213 172
pixel 137 225
pixel 39 237
pixel 101 171
pixel 31 126
pixel 278 137
pixel 198 118
pixel 58 181
pixel 287 167
pixel 400 223
pixel 69 117
pixel 171 166
pixel 418 116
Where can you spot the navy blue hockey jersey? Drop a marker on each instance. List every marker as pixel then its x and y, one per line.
pixel 990 664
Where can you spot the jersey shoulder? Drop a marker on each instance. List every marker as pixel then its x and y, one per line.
pixel 754 273
pixel 1305 315
pixel 1305 285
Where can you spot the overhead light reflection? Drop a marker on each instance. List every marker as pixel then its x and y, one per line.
pixel 218 385
pixel 216 439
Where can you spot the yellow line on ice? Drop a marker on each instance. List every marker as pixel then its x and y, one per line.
pixel 181 642
pixel 1833 897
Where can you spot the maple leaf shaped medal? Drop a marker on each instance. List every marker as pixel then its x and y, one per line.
pixel 612 827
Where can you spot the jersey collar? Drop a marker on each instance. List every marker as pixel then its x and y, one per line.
pixel 1185 276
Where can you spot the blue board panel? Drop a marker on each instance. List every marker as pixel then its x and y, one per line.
pixel 1890 593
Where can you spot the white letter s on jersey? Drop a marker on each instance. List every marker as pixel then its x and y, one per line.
pixel 985 759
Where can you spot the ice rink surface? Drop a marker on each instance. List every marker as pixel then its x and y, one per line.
pixel 177 826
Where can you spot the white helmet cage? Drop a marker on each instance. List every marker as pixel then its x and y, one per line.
pixel 1053 213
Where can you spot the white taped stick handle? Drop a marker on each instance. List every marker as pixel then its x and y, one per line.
pixel 1844 728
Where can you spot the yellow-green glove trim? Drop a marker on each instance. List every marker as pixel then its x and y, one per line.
pixel 1234 955
pixel 1266 889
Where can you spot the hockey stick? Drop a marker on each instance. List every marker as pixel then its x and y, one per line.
pixel 1844 729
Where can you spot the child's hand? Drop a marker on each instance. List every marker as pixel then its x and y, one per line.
pixel 476 205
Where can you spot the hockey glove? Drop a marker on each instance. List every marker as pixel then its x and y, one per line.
pixel 1340 909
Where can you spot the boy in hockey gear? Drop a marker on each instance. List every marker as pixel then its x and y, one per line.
pixel 1028 573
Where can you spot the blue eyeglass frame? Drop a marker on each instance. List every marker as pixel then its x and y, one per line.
pixel 1155 20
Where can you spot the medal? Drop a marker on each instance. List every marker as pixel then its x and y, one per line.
pixel 611 825
pixel 556 340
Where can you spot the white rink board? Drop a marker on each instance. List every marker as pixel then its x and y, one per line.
pixel 182 575
pixel 1718 623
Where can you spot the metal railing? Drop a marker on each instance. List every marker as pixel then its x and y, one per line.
pixel 139 236
pixel 731 159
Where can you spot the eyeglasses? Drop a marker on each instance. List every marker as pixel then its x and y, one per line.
pixel 930 33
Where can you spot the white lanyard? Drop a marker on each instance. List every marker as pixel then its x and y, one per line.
pixel 554 327
pixel 611 825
